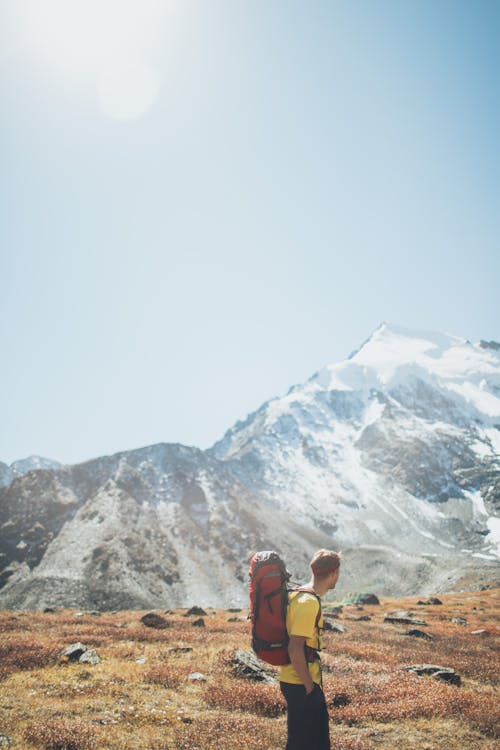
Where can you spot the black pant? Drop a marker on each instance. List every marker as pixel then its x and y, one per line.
pixel 307 718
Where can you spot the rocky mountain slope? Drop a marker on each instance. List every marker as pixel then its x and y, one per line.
pixel 392 456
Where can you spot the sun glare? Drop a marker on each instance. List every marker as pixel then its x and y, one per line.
pixel 115 43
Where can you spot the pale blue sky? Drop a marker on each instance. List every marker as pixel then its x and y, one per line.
pixel 304 172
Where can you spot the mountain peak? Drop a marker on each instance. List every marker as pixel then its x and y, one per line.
pixel 394 354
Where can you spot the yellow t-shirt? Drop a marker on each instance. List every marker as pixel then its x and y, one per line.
pixel 301 620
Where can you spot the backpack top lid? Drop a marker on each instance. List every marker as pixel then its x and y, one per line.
pixel 268 557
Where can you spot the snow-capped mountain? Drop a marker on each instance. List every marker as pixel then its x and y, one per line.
pixel 23 466
pixel 401 438
pixel 392 456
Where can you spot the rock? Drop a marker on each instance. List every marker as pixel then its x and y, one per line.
pixel 195 611
pixel 152 620
pixel 142 660
pixel 331 616
pixel 49 610
pixel 459 621
pixel 79 652
pixel 234 609
pixel 360 618
pixel 5 741
pixel 403 617
pixel 334 627
pixel 479 632
pixel 179 649
pixel 448 675
pixel 235 619
pixel 361 598
pixel 247 665
pixel 440 673
pixel 339 700
pixel 416 633
pixel 74 651
pixel 90 657
pixel 198 623
pixel 197 677
pixel 431 601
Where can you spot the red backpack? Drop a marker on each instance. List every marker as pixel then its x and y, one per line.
pixel 268 608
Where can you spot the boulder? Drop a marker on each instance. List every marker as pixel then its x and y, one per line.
pixel 446 674
pixel 247 665
pixel 416 633
pixel 195 611
pixel 365 597
pixel 403 617
pixel 152 620
pixel 197 677
pixel 74 651
pixel 334 627
pixel 90 657
pixel 459 621
pixel 200 623
pixel 80 653
pixel 359 618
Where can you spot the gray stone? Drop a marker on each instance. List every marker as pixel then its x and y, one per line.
pixel 74 651
pixel 431 601
pixel 416 633
pixel 90 657
pixel 403 617
pixel 249 666
pixel 446 674
pixel 459 621
pixel 197 677
pixel 335 627
pixel 360 618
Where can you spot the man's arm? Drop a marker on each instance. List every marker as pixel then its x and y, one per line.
pixel 298 658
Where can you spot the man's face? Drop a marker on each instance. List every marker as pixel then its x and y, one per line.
pixel 334 577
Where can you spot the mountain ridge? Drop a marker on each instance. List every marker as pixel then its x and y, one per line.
pixel 392 455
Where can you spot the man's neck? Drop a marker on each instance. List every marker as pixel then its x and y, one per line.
pixel 318 587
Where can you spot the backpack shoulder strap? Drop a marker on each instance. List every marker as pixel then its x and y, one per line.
pixel 306 590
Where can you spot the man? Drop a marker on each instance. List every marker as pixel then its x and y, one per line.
pixel 300 681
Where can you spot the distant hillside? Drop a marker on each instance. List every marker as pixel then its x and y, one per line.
pixel 392 456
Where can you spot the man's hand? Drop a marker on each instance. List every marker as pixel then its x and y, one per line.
pixel 298 659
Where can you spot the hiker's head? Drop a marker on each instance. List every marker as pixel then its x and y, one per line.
pixel 324 564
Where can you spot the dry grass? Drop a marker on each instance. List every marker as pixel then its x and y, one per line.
pixel 140 695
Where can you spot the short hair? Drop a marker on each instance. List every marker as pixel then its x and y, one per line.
pixel 324 562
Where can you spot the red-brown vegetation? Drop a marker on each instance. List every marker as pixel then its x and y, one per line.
pixel 140 695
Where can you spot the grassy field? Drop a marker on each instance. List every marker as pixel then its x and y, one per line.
pixel 140 694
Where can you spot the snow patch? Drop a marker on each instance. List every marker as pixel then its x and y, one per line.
pixel 493 524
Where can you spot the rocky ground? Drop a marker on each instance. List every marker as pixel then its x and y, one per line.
pixel 418 672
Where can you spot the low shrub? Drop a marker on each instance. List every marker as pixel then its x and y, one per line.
pixel 164 675
pixel 61 734
pixel 21 654
pixel 241 695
